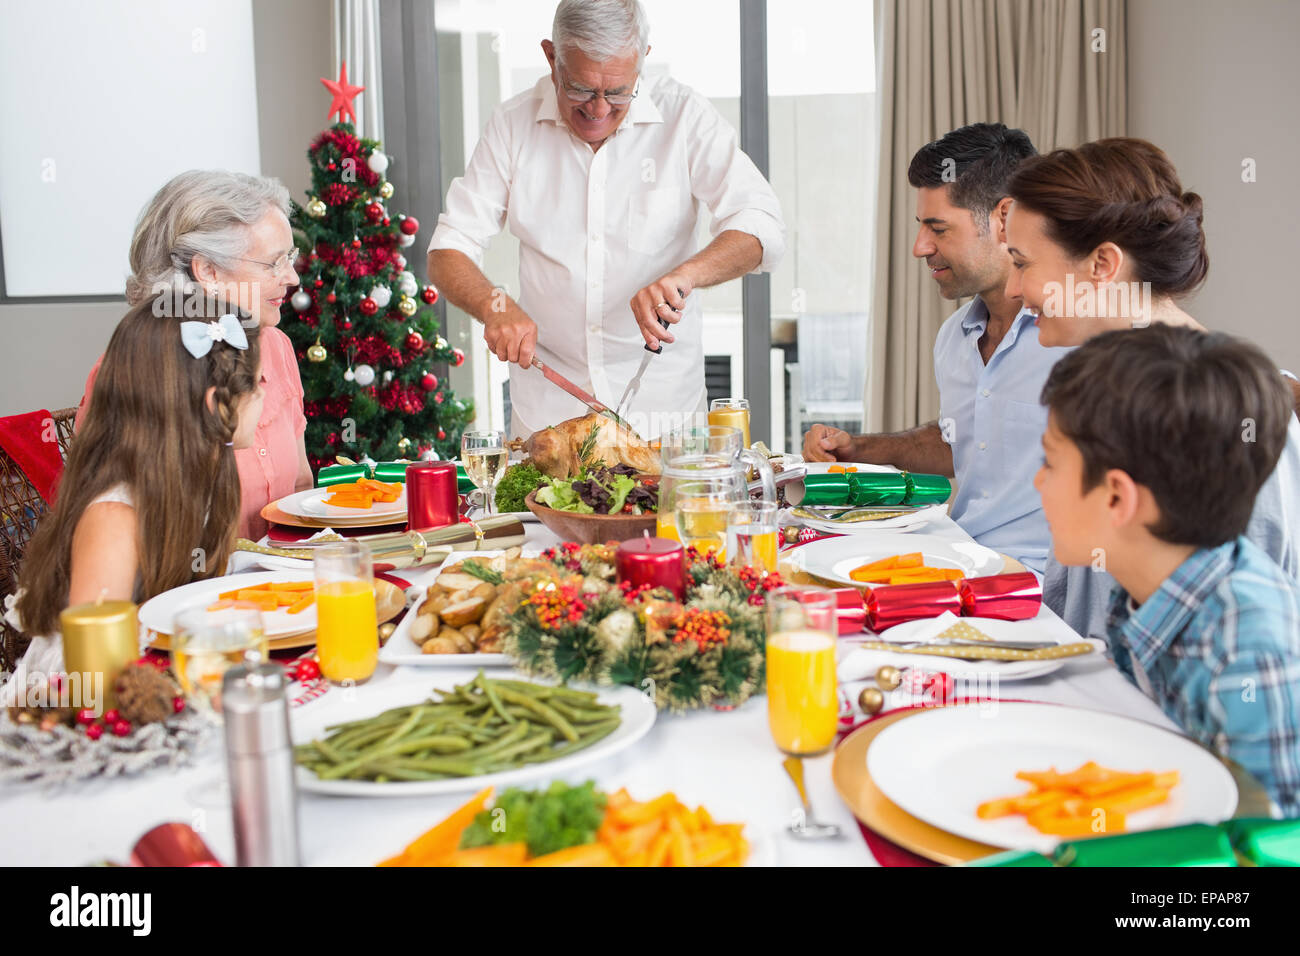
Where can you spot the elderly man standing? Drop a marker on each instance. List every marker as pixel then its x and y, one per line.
pixel 600 174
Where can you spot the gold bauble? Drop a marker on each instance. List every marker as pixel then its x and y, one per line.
pixel 316 208
pixel 385 632
pixel 406 305
pixel 404 445
pixel 888 677
pixel 386 190
pixel 871 700
pixel 440 343
pixel 317 352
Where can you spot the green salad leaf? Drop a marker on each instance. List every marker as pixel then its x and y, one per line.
pixel 559 494
pixel 514 487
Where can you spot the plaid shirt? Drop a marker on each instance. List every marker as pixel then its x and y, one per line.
pixel 1218 647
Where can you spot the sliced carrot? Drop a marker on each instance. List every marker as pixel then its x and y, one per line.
pixel 295 586
pixel 222 604
pixel 443 838
pixel 589 854
pixel 302 605
pixel 503 854
pixel 641 812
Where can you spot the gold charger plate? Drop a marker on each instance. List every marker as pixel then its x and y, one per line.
pixel 860 793
pixel 274 514
pixel 389 601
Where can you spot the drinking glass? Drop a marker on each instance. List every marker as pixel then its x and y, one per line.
pixel 802 703
pixel 752 535
pixel 726 441
pixel 698 492
pixel 485 456
pixel 205 644
pixel 733 412
pixel 347 629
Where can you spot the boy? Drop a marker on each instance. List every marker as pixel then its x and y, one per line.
pixel 1158 440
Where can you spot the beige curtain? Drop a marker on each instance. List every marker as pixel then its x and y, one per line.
pixel 1033 64
pixel 356 41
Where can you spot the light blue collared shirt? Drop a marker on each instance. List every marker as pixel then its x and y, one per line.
pixel 992 418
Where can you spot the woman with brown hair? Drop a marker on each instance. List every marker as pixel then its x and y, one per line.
pixel 149 498
pixel 1104 237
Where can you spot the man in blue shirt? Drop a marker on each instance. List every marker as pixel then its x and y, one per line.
pixel 988 362
pixel 1202 619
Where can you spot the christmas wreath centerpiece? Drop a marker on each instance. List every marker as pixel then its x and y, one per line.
pixel 573 621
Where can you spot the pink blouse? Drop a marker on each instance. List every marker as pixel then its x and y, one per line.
pixel 269 469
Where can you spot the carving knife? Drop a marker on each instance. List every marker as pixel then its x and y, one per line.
pixel 585 397
pixel 634 385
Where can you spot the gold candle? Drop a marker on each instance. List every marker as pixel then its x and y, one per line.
pixel 99 641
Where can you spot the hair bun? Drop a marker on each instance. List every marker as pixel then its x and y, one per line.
pixel 1192 205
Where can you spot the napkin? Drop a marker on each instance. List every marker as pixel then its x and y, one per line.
pixel 27 439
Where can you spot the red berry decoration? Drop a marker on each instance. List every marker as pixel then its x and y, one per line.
pixel 85 717
pixel 368 306
pixel 374 212
pixel 429 382
pixel 429 294
pixel 121 728
pixel 308 670
pixel 94 731
pixel 409 225
pixel 437 397
pixel 460 357
pixel 111 717
pixel 178 704
pixel 415 342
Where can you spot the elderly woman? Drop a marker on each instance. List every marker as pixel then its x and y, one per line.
pixel 228 234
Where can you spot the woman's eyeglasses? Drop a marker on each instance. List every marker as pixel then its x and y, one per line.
pixel 279 265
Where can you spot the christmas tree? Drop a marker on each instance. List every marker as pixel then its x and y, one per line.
pixel 369 346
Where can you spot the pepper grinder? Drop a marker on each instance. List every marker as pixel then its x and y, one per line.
pixel 259 759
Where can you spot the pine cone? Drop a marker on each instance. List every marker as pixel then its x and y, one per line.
pixel 145 694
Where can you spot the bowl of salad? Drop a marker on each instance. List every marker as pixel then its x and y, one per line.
pixel 601 504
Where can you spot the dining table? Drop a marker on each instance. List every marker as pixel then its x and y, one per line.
pixel 725 760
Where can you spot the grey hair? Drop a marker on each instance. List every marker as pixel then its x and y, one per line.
pixel 601 29
pixel 202 212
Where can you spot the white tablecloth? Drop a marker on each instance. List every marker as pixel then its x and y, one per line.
pixel 726 761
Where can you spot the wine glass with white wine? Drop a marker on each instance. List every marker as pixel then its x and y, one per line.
pixel 485 457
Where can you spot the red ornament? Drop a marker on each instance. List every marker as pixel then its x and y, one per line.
pixel 374 212
pixel 331 298
pixel 437 397
pixel 368 306
pixel 460 357
pixel 442 435
pixel 344 93
pixel 387 221
pixel 409 225
pixel 429 382
pixel 319 283
pixel 331 167
pixel 85 717
pixel 345 324
pixel 111 716
pixel 308 670
pixel 414 342
pixel 356 243
pixel 429 294
pixel 178 704
pixel 94 731
pixel 121 728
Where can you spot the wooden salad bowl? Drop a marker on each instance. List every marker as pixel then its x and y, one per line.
pixel 591 529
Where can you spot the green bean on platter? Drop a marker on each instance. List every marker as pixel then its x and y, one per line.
pixel 485 726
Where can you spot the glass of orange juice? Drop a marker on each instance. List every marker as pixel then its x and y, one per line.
pixel 802 700
pixel 347 630
pixel 733 412
pixel 751 535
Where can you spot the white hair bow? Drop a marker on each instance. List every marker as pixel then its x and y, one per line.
pixel 197 337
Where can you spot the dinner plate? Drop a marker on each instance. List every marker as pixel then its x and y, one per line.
pixel 283 630
pixel 908 521
pixel 861 662
pixel 311 504
pixel 824 467
pixel 831 559
pixel 940 765
pixel 638 715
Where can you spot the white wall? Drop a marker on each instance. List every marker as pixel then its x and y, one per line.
pixel 46 350
pixel 1214 83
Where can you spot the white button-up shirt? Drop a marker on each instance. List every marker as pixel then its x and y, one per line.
pixel 596 227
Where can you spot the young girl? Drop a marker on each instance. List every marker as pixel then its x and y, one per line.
pixel 149 497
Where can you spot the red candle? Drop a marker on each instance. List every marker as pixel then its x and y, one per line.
pixel 1009 597
pixel 658 562
pixel 897 603
pixel 431 495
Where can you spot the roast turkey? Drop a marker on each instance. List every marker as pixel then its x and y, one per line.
pixel 556 451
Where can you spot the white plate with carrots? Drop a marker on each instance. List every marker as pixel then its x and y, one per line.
pixel 158 613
